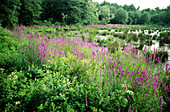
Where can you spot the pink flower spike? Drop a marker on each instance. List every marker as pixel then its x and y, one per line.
pixel 67 84
pixel 91 80
pixel 166 78
pixel 125 87
pixel 86 103
pixel 109 72
pixel 160 100
pixel 101 99
pixel 119 110
pixel 107 92
pixel 160 106
pixel 146 95
pixel 168 100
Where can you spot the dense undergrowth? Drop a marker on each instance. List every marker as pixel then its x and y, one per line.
pixel 42 69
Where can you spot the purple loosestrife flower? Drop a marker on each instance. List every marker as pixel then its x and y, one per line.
pixel 160 106
pixel 67 84
pixel 160 100
pixel 116 58
pixel 109 72
pixel 129 109
pixel 86 103
pixel 167 78
pixel 149 42
pixel 101 99
pixel 125 87
pixel 100 80
pixel 91 80
pixel 146 95
pixel 168 100
pixel 107 80
pixel 93 52
pixel 113 80
pixel 118 110
pixel 122 74
pixel 107 92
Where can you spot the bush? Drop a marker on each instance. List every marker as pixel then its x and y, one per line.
pixel 116 34
pixel 132 37
pixel 83 36
pixel 160 56
pixel 164 38
pixel 155 37
pixel 92 35
pixel 103 33
pixel 141 44
pixel 113 47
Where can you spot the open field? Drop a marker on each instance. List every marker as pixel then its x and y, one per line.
pixel 105 68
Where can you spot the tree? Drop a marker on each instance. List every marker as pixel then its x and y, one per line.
pixel 121 16
pixel 69 11
pixel 30 12
pixel 131 17
pixel 145 18
pixel 129 8
pixel 168 13
pixel 92 13
pixel 137 17
pixel 163 17
pixel 155 19
pixel 105 14
pixel 9 13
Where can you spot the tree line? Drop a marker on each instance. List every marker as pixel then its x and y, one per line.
pixel 66 12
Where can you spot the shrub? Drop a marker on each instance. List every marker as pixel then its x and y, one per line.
pixel 164 38
pixel 83 36
pixel 157 57
pixel 103 33
pixel 141 44
pixel 92 35
pixel 155 37
pixel 110 38
pixel 113 47
pixel 132 37
pixel 116 34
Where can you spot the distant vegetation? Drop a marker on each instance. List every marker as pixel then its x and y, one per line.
pixel 64 12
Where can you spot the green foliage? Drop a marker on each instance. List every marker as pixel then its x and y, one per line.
pixel 141 45
pixel 9 13
pixel 121 16
pixel 30 11
pixel 161 54
pixel 92 13
pixel 105 14
pixel 113 47
pixel 145 18
pixel 164 37
pixel 103 33
pixel 132 37
pixel 92 35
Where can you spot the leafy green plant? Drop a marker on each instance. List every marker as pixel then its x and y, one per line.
pixel 132 37
pixel 113 47
pixel 103 33
pixel 141 45
pixel 164 38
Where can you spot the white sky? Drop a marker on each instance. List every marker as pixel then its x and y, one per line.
pixel 142 3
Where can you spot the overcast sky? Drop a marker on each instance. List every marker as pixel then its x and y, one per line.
pixel 142 3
